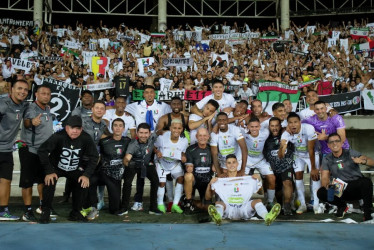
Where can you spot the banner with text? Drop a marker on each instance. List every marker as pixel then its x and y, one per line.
pixel 10 21
pixel 277 86
pixel 343 103
pixel 64 97
pixel 25 65
pixel 47 58
pixel 98 86
pixel 177 62
pixel 195 95
pixel 137 94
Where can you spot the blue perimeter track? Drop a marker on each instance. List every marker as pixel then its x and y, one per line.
pixel 280 235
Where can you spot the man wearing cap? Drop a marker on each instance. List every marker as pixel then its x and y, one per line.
pixel 87 103
pixel 11 110
pixel 61 156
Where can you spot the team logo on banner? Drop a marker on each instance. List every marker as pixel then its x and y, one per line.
pixel 64 99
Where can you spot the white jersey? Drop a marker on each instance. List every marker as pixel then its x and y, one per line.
pixel 139 111
pixel 110 116
pixel 236 192
pixel 255 145
pixel 171 152
pixel 300 140
pixel 226 101
pixel 307 112
pixel 227 142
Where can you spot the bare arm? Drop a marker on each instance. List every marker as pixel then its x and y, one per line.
pixel 214 151
pixel 127 159
pixel 243 148
pixel 325 179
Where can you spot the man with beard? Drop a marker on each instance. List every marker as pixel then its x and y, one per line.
pixel 303 136
pixel 87 103
pixel 38 127
pixel 282 168
pixel 11 110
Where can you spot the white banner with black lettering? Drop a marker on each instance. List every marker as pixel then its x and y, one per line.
pixel 72 45
pixel 195 35
pixel 98 86
pixel 177 62
pixel 10 21
pixel 166 95
pixel 25 65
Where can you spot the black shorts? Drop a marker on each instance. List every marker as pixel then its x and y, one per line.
pixel 284 176
pixel 31 168
pixel 201 187
pixel 6 165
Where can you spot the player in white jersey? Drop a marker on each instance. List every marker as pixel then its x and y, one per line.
pixel 235 192
pixel 311 98
pixel 205 121
pixel 119 112
pixel 304 137
pixel 226 101
pixel 149 110
pixel 255 141
pixel 170 151
pixel 228 140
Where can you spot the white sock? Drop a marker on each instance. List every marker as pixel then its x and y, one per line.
pixel 100 192
pixel 261 209
pixel 160 195
pixel 219 209
pixel 271 195
pixel 169 190
pixel 178 193
pixel 315 186
pixel 300 191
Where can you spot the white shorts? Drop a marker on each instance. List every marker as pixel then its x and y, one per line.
pixel 244 212
pixel 176 172
pixel 299 165
pixel 261 165
pixel 223 164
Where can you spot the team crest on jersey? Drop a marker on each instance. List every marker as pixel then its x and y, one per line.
pixel 236 188
pixel 340 164
pixel 203 158
pixel 276 141
pixel 171 154
pixel 119 151
pixel 155 111
pixel 255 144
pixel 225 142
pixel 299 140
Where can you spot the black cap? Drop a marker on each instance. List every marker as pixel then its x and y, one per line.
pixel 86 92
pixel 74 121
pixel 91 73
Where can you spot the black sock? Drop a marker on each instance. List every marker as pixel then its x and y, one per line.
pixel 28 208
pixel 3 208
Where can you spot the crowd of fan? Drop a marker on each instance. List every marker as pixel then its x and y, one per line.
pixel 305 56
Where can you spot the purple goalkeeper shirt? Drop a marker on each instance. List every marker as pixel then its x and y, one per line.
pixel 330 126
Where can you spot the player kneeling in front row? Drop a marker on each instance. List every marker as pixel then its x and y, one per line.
pixel 235 192
pixel 169 150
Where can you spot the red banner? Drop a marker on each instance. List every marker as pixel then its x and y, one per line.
pixel 194 95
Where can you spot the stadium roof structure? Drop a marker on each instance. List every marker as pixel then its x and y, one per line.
pixel 197 8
